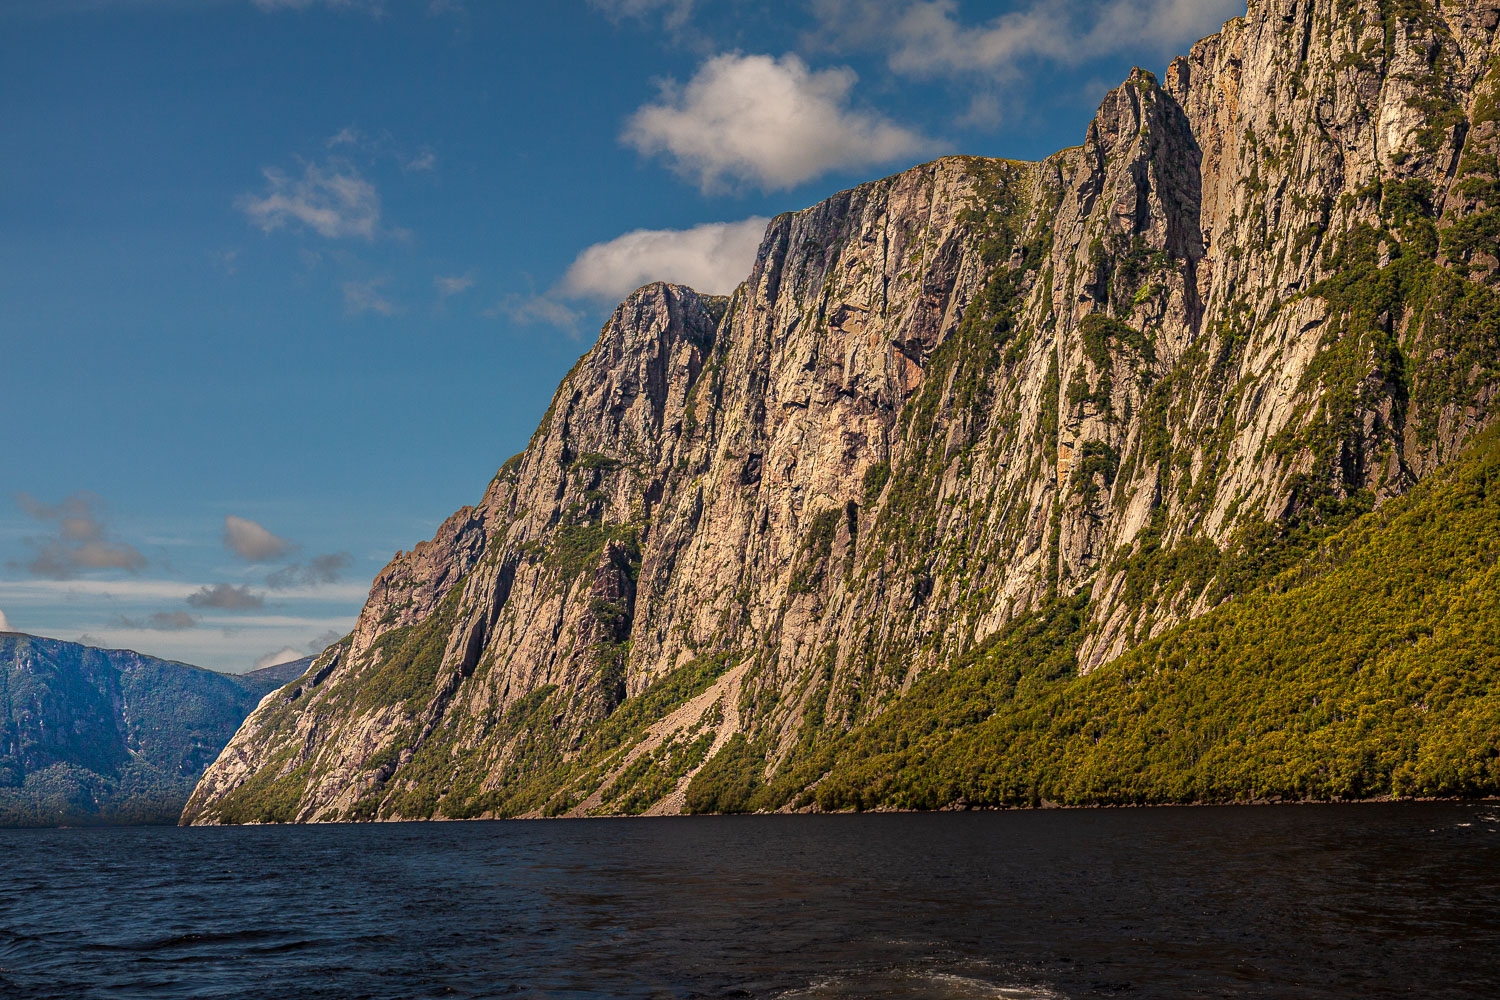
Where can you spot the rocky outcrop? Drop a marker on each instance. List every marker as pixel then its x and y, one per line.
pixel 1258 298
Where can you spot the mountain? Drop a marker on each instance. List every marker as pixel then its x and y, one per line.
pixel 996 482
pixel 267 679
pixel 110 736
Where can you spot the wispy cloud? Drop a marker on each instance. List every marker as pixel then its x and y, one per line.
pixel 253 543
pixel 773 123
pixel 315 572
pixel 4 623
pixel 231 644
pixel 928 38
pixel 324 640
pixel 279 657
pixel 447 287
pixel 49 593
pixel 675 13
pixel 346 136
pixel 80 539
pixel 226 261
pixel 424 161
pixel 534 310
pixel 225 597
pixel 162 621
pixel 362 297
pixel 375 7
pixel 711 258
pixel 332 199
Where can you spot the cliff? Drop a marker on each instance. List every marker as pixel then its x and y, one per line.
pixel 1124 387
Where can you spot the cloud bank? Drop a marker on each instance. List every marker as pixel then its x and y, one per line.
pixel 80 540
pixel 162 621
pixel 773 123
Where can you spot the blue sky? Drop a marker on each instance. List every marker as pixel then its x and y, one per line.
pixel 283 282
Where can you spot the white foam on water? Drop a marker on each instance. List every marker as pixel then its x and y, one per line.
pixel 900 984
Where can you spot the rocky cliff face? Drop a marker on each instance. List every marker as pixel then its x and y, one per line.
pixel 1260 297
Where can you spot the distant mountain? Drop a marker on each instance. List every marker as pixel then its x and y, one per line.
pixel 111 736
pixel 272 677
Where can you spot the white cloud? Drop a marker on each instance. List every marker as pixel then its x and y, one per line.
pixel 252 542
pixel 447 287
pixel 712 258
pixel 925 38
pixel 283 656
pixel 771 122
pixel 4 623
pixel 362 297
pixel 424 161
pixel 331 199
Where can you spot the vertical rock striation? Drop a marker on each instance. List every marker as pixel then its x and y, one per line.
pixel 1260 298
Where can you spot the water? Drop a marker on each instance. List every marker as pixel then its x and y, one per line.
pixel 1368 901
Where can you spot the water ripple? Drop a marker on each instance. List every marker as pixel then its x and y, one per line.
pixel 1298 902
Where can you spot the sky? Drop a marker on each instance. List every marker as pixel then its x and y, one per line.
pixel 284 282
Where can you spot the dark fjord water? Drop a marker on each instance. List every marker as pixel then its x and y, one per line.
pixel 1342 902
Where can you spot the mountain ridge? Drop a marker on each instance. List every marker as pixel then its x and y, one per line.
pixel 91 736
pixel 1139 375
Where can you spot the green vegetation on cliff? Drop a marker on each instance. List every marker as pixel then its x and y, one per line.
pixel 1368 669
pixel 525 761
pixel 1203 365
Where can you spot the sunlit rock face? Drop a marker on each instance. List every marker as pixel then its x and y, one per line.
pixel 1253 296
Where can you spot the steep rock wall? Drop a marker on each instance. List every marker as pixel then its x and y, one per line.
pixel 1257 300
